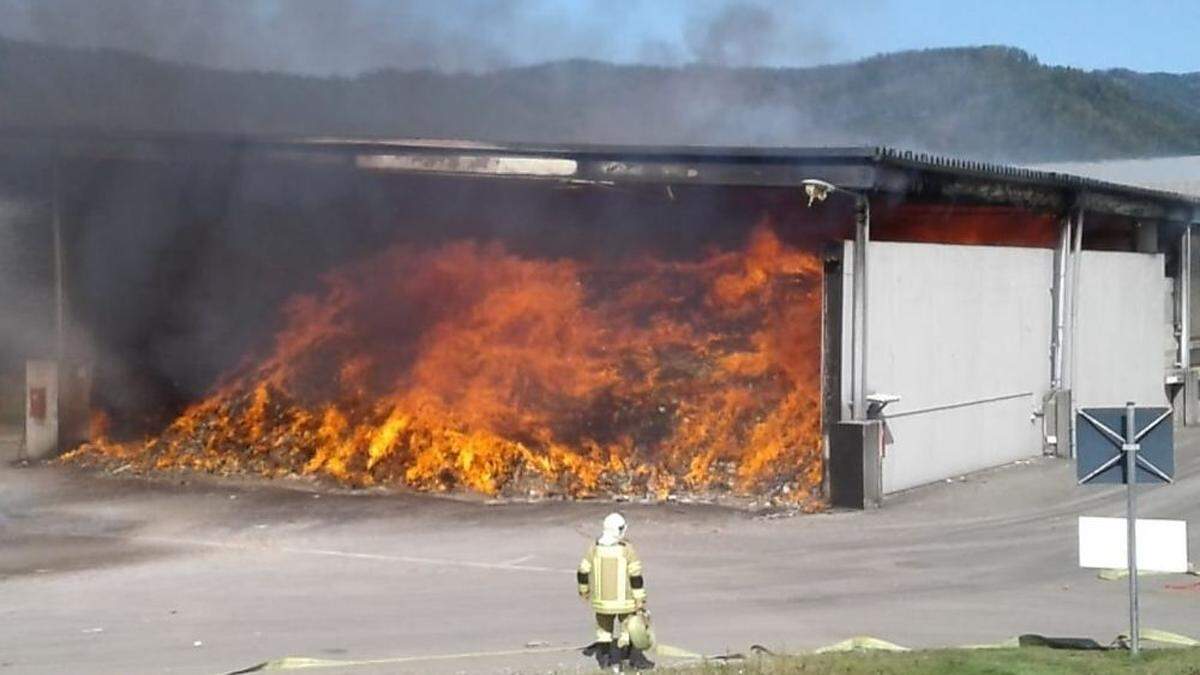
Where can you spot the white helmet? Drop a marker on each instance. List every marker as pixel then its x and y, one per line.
pixel 614 528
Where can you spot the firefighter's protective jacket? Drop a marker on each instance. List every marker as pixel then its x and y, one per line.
pixel 610 577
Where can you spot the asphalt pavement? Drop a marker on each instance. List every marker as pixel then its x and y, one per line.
pixel 185 574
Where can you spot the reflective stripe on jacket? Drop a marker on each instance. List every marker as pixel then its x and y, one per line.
pixel 611 578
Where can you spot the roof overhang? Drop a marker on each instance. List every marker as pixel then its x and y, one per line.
pixel 880 171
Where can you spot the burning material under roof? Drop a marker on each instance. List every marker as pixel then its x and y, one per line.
pixel 466 365
pixel 506 320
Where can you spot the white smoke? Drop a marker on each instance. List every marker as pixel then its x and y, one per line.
pixel 348 37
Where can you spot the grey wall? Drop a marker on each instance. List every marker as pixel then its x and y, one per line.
pixel 962 334
pixel 1122 329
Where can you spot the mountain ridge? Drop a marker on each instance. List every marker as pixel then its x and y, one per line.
pixel 994 103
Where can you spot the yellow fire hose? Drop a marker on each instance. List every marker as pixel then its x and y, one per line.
pixel 861 642
pixel 303 663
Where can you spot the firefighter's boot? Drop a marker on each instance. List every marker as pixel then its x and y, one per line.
pixel 637 659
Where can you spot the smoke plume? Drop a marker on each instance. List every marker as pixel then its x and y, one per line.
pixel 352 36
pixel 750 34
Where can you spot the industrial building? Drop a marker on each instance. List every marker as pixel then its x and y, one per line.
pixel 965 308
pixel 1179 174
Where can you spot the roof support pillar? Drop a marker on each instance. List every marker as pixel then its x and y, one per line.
pixel 1183 299
pixel 862 239
pixel 1072 371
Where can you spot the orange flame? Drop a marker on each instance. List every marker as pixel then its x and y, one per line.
pixel 467 366
pixel 98 426
pixel 963 224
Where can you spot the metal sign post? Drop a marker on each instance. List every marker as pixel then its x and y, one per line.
pixel 1130 447
pixel 1098 464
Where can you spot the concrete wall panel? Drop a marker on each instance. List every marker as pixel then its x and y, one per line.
pixel 962 334
pixel 940 444
pixel 1121 329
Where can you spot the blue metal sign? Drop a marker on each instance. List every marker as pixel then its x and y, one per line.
pixel 1100 442
pixel 1127 445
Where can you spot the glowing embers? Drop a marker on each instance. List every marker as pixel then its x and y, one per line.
pixel 467 366
pixel 964 224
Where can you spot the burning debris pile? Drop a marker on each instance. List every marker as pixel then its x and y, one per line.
pixel 467 366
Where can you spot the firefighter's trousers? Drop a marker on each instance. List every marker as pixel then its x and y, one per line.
pixel 604 628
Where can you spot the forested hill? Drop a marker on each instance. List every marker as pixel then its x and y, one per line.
pixel 986 102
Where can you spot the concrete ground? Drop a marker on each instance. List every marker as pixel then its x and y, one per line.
pixel 185 575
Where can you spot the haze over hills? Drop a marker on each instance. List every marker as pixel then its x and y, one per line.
pixel 993 103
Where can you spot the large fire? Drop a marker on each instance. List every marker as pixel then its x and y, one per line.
pixel 469 366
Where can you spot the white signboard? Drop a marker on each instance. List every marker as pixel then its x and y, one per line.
pixel 1161 544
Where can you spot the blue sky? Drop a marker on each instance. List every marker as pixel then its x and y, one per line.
pixel 1149 35
pixel 350 36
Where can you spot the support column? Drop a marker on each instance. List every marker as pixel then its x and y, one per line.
pixel 1056 406
pixel 1072 372
pixel 1060 305
pixel 72 386
pixel 862 238
pixel 1191 393
pixel 60 310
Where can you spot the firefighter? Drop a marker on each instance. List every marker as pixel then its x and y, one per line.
pixel 610 578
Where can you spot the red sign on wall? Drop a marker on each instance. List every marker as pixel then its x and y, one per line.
pixel 37 403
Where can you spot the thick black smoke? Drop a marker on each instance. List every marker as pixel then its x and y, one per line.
pixel 172 276
pixel 175 272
